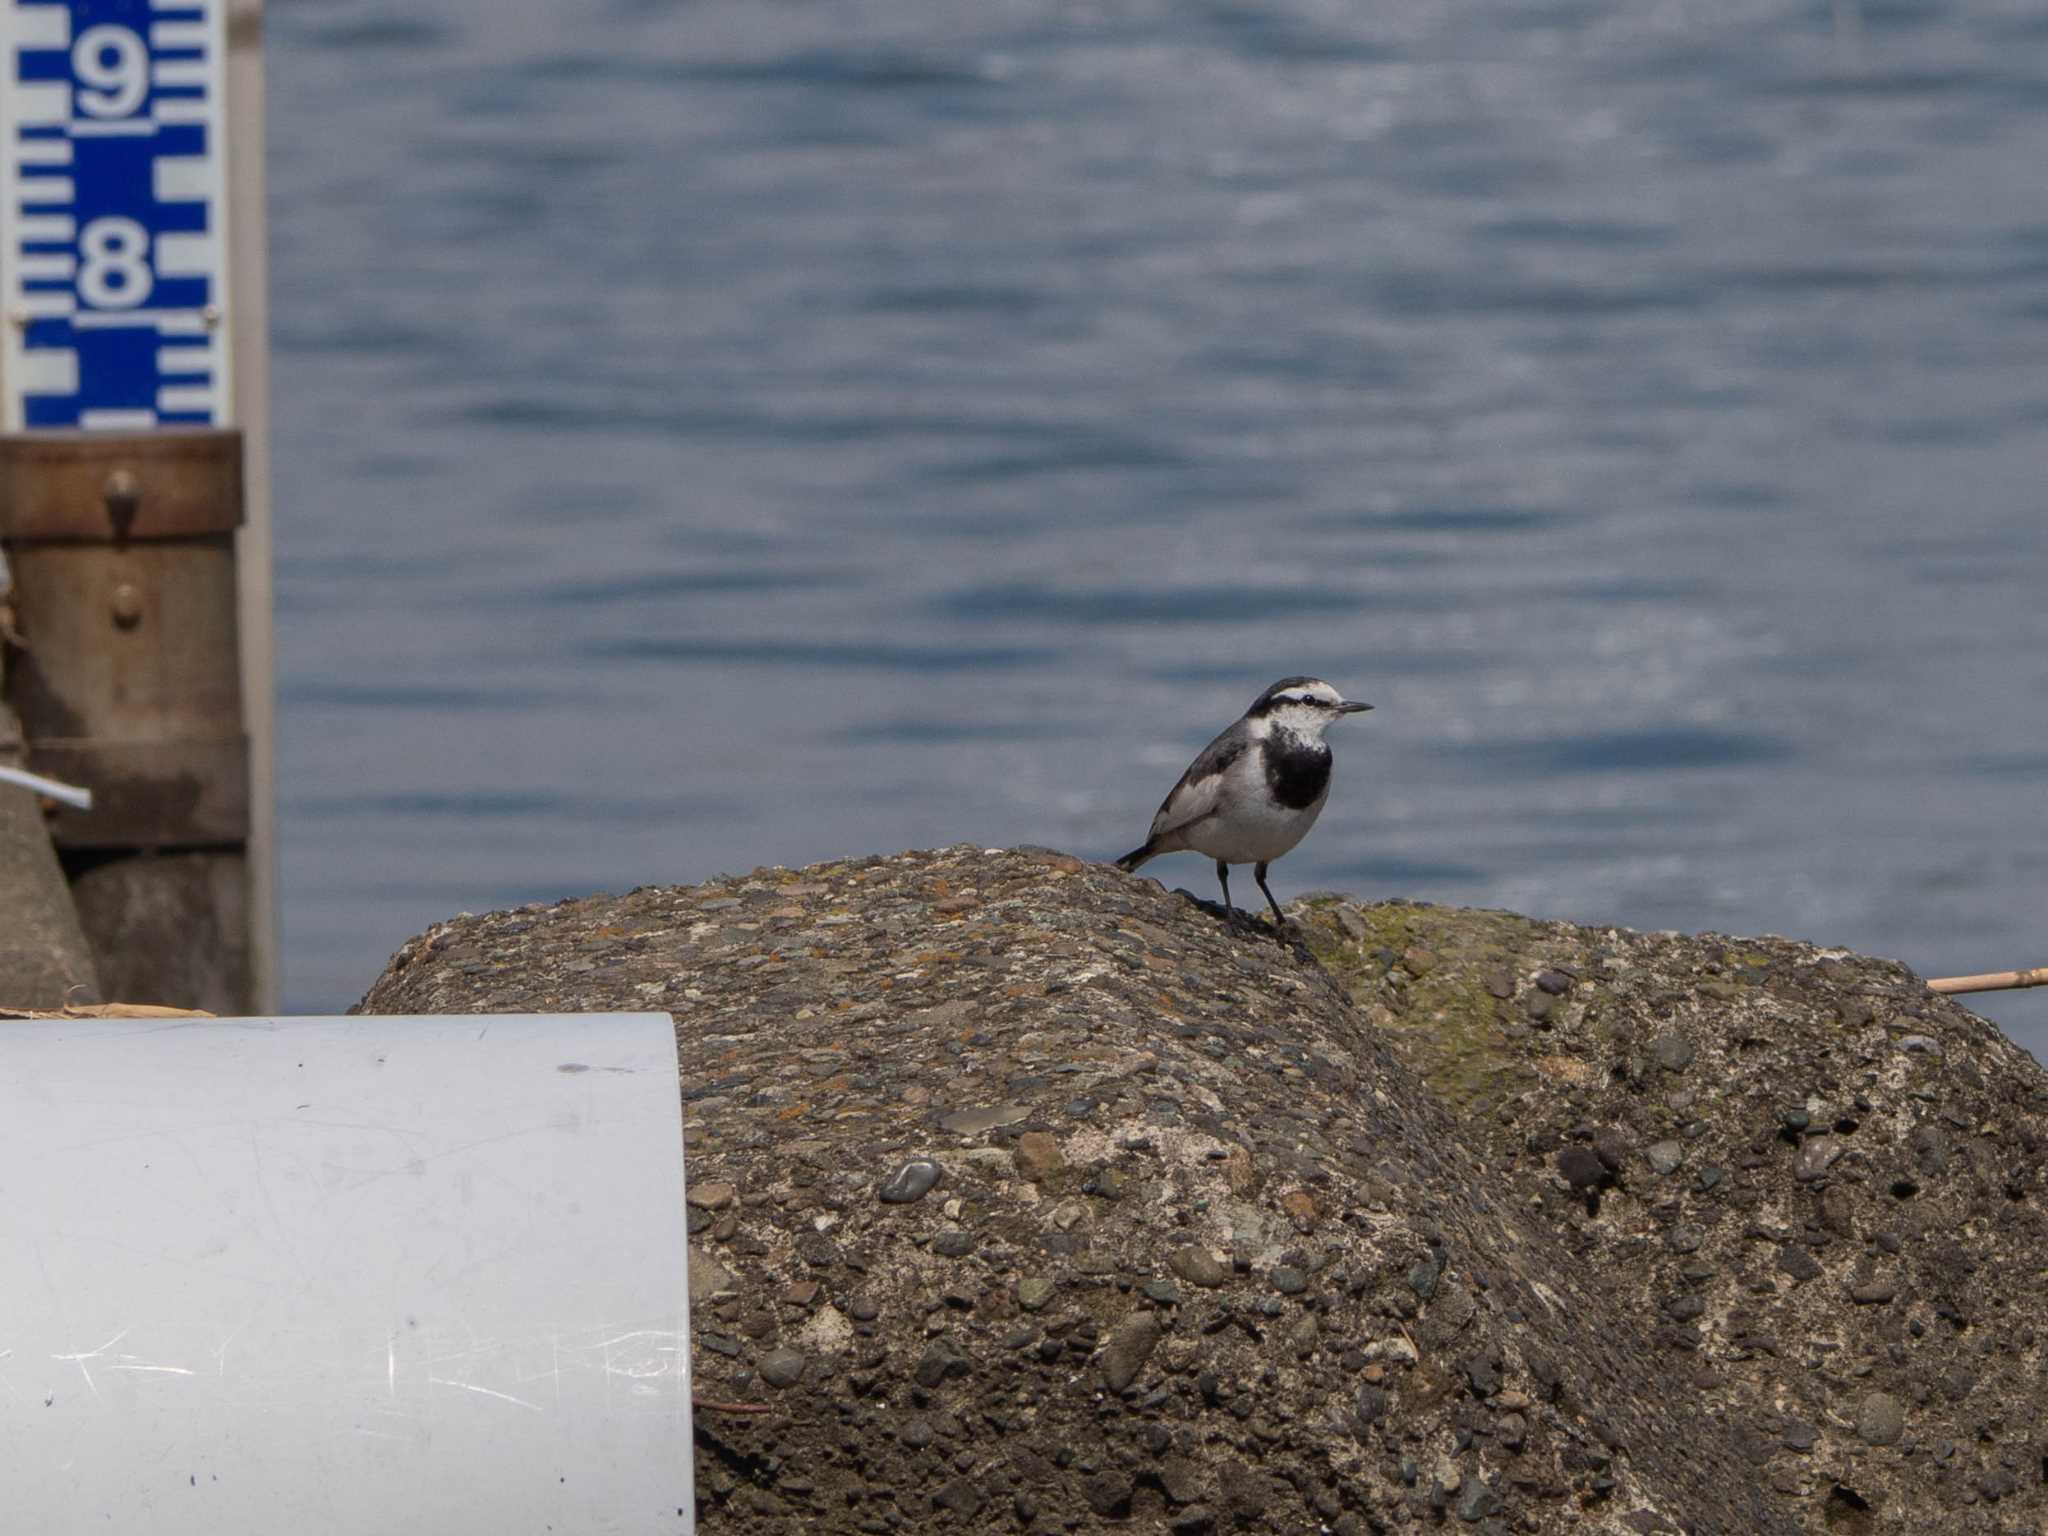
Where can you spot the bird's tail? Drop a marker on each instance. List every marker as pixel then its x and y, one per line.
pixel 1137 856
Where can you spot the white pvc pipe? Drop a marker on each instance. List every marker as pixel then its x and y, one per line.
pixel 35 783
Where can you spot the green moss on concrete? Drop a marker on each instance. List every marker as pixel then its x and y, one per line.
pixel 1423 971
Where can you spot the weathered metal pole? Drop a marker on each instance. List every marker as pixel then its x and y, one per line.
pixel 122 550
pixel 44 961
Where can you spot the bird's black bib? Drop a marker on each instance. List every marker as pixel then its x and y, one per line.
pixel 1297 772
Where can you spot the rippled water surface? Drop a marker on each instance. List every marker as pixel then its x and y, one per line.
pixel 738 432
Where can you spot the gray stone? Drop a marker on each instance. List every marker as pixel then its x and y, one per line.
pixel 1396 1349
pixel 1816 1157
pixel 782 1368
pixel 1109 1494
pixel 962 1496
pixel 1129 1348
pixel 1179 1480
pixel 940 1362
pixel 1197 1265
pixel 708 1277
pixel 1880 1420
pixel 972 1122
pixel 1674 1053
pixel 1476 1502
pixel 1665 1156
pixel 1034 1293
pixel 911 1181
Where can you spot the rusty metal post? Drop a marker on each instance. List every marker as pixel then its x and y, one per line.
pixel 122 549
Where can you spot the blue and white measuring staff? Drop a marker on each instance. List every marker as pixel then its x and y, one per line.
pixel 113 241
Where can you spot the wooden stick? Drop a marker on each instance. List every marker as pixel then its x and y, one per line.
pixel 1994 981
pixel 713 1405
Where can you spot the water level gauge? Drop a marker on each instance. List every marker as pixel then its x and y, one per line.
pixel 113 203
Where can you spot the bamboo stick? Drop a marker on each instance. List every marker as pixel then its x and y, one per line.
pixel 1992 981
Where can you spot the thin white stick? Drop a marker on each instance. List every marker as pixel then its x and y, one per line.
pixel 35 783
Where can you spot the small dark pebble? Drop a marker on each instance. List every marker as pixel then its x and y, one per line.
pixel 783 1369
pixel 1556 983
pixel 962 1496
pixel 1109 1494
pixel 1289 1281
pixel 1674 1053
pixel 1423 1277
pixel 1476 1501
pixel 939 1363
pixel 1880 1420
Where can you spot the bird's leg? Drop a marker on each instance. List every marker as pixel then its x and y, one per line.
pixel 1279 917
pixel 1223 879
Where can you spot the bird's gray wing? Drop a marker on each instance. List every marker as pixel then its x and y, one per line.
pixel 1201 787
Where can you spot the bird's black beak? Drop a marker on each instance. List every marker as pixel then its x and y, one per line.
pixel 1349 708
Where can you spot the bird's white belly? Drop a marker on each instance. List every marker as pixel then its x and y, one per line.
pixel 1252 829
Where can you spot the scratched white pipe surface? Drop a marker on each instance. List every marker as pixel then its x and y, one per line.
pixel 343 1275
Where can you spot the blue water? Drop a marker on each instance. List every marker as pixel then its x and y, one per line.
pixel 729 433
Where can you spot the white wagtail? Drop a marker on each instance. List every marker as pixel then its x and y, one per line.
pixel 1254 791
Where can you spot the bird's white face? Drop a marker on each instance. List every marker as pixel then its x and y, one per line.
pixel 1308 709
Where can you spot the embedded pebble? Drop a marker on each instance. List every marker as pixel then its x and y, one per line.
pixel 1197 1266
pixel 912 1181
pixel 1665 1156
pixel 1674 1053
pixel 1129 1348
pixel 1038 1156
pixel 1880 1420
pixel 782 1368
pixel 1816 1157
pixel 1109 1494
pixel 971 1122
